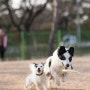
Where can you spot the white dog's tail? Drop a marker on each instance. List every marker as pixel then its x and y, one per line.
pixel 31 67
pixel 47 65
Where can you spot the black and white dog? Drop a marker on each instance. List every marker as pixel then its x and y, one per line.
pixel 61 59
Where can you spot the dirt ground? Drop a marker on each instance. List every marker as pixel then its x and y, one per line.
pixel 13 73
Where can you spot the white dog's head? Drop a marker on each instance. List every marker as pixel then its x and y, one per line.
pixel 65 55
pixel 38 69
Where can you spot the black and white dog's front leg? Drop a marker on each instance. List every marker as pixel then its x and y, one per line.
pixel 56 77
pixel 37 87
pixel 64 77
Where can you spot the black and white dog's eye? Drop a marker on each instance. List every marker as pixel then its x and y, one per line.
pixel 62 58
pixel 70 59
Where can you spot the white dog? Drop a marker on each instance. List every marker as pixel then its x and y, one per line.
pixel 37 77
pixel 61 59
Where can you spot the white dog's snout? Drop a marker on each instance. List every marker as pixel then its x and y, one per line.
pixel 39 70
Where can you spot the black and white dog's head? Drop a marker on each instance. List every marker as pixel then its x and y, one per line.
pixel 65 55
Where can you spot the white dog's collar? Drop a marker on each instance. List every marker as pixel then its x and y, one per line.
pixel 39 74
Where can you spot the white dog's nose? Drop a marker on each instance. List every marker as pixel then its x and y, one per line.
pixel 39 70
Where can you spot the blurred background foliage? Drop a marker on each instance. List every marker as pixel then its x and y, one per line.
pixel 35 20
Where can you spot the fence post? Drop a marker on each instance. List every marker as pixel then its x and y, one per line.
pixel 22 45
pixel 59 37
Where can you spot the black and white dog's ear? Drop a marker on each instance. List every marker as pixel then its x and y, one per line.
pixel 71 50
pixel 61 50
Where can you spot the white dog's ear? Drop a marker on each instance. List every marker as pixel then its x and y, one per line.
pixel 35 64
pixel 61 50
pixel 71 50
pixel 43 63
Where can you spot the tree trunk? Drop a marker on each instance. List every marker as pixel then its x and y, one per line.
pixel 54 25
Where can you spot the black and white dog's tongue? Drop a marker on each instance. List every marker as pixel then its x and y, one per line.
pixel 70 68
pixel 66 68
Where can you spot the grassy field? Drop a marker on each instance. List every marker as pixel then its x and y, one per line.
pixel 13 74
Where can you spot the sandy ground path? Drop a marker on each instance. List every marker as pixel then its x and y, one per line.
pixel 13 73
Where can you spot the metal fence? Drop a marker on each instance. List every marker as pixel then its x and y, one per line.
pixel 31 45
pixel 35 44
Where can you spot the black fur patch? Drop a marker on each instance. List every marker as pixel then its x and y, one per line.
pixel 70 59
pixel 62 57
pixel 49 63
pixel 71 51
pixel 61 51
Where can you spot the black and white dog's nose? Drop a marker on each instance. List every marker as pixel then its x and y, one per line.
pixel 67 65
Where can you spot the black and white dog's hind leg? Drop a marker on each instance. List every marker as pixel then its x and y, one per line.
pixel 55 76
pixel 47 66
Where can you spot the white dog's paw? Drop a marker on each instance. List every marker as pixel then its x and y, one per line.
pixel 58 82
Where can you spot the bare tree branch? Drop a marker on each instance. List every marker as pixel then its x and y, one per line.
pixel 34 15
pixel 10 13
pixel 23 17
pixel 29 13
pixel 30 4
pixel 54 25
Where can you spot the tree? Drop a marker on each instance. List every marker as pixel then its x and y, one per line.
pixel 23 17
pixel 54 25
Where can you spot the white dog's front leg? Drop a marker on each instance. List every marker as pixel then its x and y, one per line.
pixel 37 87
pixel 56 77
pixel 45 86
